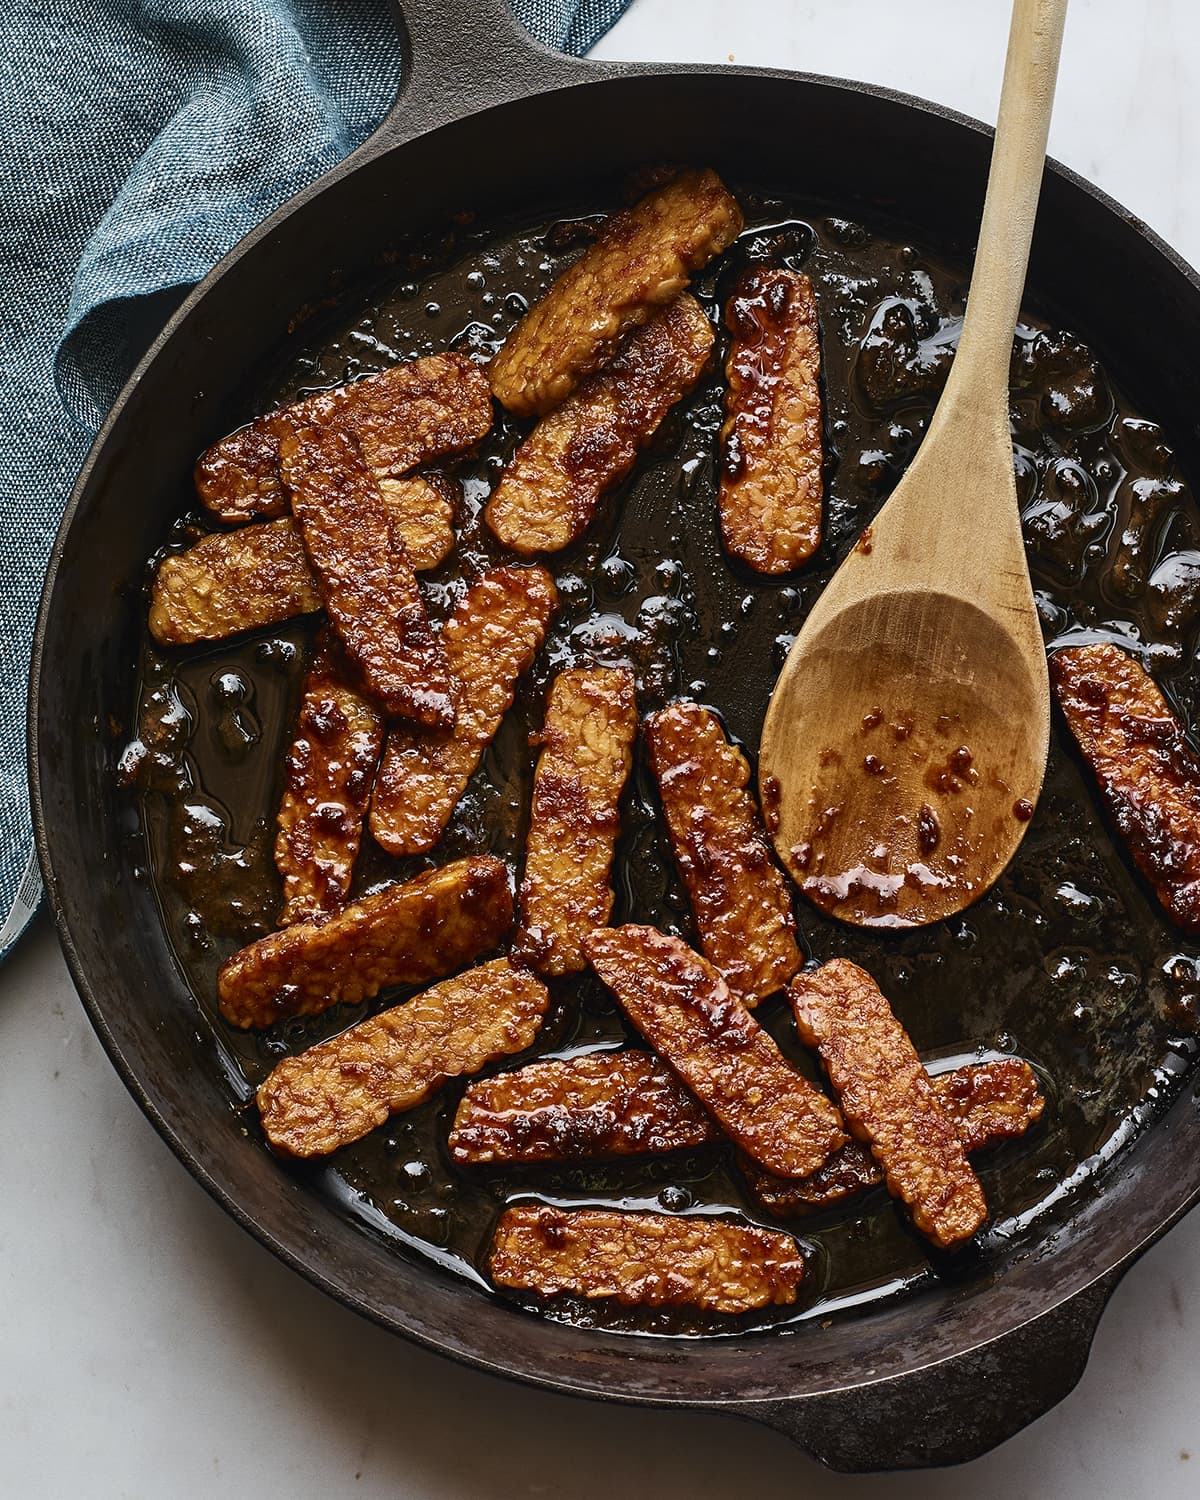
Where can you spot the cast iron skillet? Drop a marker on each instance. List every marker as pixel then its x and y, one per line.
pixel 488 118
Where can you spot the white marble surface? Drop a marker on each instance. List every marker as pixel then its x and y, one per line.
pixel 149 1348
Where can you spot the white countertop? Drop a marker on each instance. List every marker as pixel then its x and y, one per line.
pixel 148 1347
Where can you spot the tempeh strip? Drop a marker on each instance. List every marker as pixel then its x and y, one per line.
pixel 599 1105
pixel 587 745
pixel 490 641
pixel 640 261
pixel 626 1103
pixel 330 768
pixel 988 1102
pixel 404 934
pixel 232 581
pixel 1147 772
pixel 338 1091
pixel 740 899
pixel 370 591
pixel 888 1099
pixel 771 485
pixel 422 506
pixel 685 1010
pixel 550 491
pixel 403 417
pixel 258 575
pixel 645 1260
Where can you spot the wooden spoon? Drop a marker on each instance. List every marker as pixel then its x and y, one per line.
pixel 905 743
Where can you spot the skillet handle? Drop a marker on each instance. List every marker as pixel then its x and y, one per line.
pixel 466 55
pixel 952 1411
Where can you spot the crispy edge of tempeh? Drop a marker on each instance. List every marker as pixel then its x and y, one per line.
pixel 689 1015
pixel 640 261
pixel 587 749
pixel 988 1102
pixel 232 581
pixel 421 410
pixel 771 484
pixel 370 590
pixel 404 934
pixel 583 1108
pixel 549 494
pixel 888 1099
pixel 338 1091
pixel 739 897
pixel 330 767
pixel 647 1260
pixel 1147 773
pixel 490 642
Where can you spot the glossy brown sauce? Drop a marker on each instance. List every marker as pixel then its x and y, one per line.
pixel 1067 962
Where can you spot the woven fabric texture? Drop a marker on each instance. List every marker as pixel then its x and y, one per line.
pixel 143 139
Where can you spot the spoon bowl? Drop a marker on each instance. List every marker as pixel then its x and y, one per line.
pixel 910 783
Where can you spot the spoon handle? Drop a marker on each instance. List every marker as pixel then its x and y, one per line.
pixel 980 370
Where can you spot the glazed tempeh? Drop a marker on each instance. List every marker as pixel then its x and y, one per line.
pixel 988 1102
pixel 330 768
pixel 686 1011
pixel 771 485
pixel 1147 772
pixel 646 1260
pixel 889 1100
pixel 550 491
pixel 587 743
pixel 403 417
pixel 340 1090
pixel 739 897
pixel 260 574
pixel 232 581
pixel 404 934
pixel 422 507
pixel 490 641
pixel 640 261
pixel 370 591
pixel 585 1108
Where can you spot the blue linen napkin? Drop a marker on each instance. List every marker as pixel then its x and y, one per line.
pixel 142 139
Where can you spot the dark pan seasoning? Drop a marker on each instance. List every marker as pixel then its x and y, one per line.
pixel 1068 963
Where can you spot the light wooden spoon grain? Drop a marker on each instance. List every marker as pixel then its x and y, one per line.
pixel 905 743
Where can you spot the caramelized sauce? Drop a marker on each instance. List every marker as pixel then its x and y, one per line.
pixel 1067 962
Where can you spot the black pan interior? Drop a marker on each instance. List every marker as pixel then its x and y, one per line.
pixel 876 160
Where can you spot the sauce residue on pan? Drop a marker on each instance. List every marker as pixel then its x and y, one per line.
pixel 1067 962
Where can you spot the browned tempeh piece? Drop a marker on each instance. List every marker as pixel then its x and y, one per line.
pixel 646 1260
pixel 403 417
pixel 330 767
pixel 587 744
pixel 260 574
pixel 549 493
pixel 771 486
pixel 422 506
pixel 370 591
pixel 578 1109
pixel 640 261
pixel 339 1090
pixel 889 1100
pixel 1147 772
pixel 685 1010
pixel 404 934
pixel 988 1102
pixel 490 641
pixel 741 902
pixel 232 581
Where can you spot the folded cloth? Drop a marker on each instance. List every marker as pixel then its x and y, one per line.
pixel 144 138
